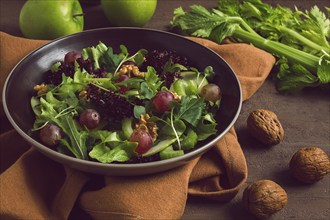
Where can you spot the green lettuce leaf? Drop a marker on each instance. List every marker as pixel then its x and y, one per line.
pixel 111 148
pixel 95 53
pixel 105 154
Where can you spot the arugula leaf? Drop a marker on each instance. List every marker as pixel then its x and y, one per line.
pixel 77 139
pixel 138 57
pixel 206 127
pixel 189 140
pixel 150 86
pixel 173 67
pixel 190 110
pixel 80 76
pixel 169 152
pixel 68 86
pixel 48 112
pixel 113 60
pixel 145 91
pixel 152 78
pixel 166 131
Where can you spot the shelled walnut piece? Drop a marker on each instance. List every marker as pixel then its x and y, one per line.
pixel 131 69
pixel 263 198
pixel 41 89
pixel 145 124
pixel 310 164
pixel 264 126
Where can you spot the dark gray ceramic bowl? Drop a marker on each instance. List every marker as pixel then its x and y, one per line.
pixel 28 72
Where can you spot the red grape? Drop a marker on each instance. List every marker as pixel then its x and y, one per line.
pixel 161 101
pixel 211 92
pixel 71 56
pixel 144 140
pixel 50 135
pixel 90 118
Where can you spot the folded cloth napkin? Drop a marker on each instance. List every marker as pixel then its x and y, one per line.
pixel 35 187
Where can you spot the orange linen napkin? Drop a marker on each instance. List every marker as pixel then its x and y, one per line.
pixel 35 187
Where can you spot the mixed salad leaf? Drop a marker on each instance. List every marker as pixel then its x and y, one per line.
pixel 121 108
pixel 300 40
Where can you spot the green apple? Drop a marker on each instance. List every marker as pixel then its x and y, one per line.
pixel 50 19
pixel 134 13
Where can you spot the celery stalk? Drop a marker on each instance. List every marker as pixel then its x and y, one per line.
pixel 293 55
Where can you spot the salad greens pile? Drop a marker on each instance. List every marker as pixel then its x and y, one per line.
pixel 176 131
pixel 300 40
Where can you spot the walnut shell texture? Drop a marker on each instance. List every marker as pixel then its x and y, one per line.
pixel 310 164
pixel 264 126
pixel 263 198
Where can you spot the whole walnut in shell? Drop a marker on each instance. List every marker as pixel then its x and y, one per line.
pixel 309 164
pixel 264 198
pixel 264 126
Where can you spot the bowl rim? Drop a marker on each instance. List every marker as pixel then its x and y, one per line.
pixel 188 156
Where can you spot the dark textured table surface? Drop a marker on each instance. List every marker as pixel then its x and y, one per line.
pixel 305 117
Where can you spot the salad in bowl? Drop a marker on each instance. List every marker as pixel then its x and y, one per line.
pixel 122 101
pixel 99 105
